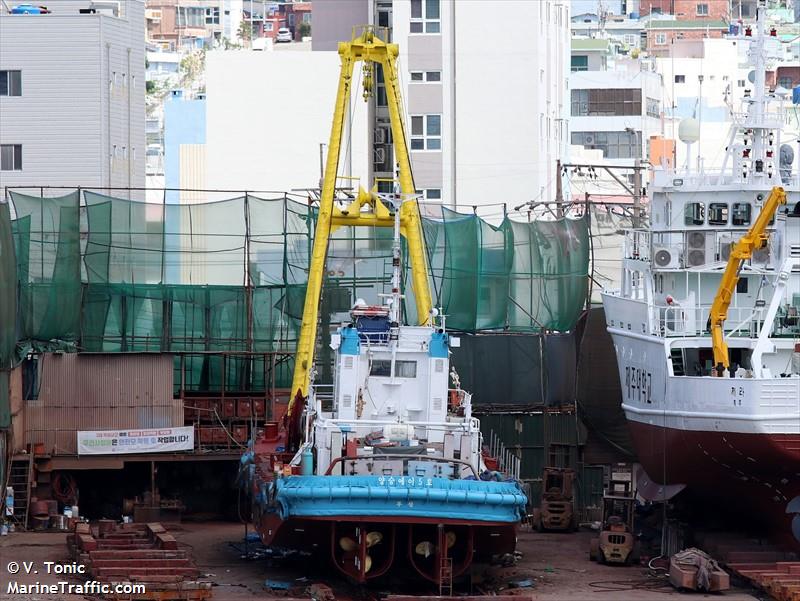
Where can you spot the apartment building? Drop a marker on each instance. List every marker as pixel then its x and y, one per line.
pixel 72 95
pixel 472 142
pixel 187 24
pixel 616 111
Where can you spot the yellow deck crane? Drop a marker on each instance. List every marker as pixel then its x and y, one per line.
pixel 755 238
pixel 366 209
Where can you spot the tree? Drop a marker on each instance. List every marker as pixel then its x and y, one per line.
pixel 245 31
pixel 304 29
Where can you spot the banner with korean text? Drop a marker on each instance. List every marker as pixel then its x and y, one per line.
pixel 118 442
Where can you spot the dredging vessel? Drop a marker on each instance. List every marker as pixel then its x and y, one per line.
pixel 387 465
pixel 706 325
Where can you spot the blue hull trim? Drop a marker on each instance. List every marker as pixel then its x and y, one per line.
pixel 325 496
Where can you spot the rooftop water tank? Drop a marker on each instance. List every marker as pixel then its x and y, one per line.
pixel 26 9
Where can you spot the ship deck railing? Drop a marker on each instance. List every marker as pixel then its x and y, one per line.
pixel 688 181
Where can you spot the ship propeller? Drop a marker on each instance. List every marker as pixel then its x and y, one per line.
pixel 373 538
pixel 367 564
pixel 425 548
pixel 794 507
pixel 347 544
pixel 451 539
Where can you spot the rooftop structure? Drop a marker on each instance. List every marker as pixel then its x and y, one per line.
pixel 96 137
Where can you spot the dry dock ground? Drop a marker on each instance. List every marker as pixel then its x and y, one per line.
pixel 557 565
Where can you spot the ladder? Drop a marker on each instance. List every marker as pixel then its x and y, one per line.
pixel 676 355
pixel 19 478
pixel 446 576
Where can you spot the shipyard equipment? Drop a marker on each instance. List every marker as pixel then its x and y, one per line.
pixel 756 238
pixel 557 508
pixel 616 543
pixel 384 466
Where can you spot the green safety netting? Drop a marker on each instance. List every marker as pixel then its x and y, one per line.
pixel 8 316
pixel 114 275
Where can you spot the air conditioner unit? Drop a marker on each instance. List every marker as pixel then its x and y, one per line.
pixel 697 251
pixel 381 135
pixel 726 244
pixel 666 257
pixel 762 256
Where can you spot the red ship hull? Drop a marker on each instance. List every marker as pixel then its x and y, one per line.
pixel 752 475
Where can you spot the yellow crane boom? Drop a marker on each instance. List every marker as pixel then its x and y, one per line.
pixel 366 209
pixel 755 238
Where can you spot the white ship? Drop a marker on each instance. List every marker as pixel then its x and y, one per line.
pixel 721 416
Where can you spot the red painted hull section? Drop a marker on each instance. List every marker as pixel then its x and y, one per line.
pixel 755 475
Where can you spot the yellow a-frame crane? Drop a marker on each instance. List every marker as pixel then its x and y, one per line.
pixel 366 209
pixel 755 238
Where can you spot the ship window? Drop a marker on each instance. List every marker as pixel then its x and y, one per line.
pixel 718 213
pixel 402 369
pixel 741 213
pixel 694 213
pixel 381 367
pixel 405 369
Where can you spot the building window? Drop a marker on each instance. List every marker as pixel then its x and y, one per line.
pixel 190 16
pixel 741 83
pixel 614 144
pixel 380 95
pixel 306 17
pixel 212 16
pixel 784 82
pixel 425 16
pixel 10 157
pixel 426 76
pixel 268 26
pixel 661 39
pixel 426 132
pixel 653 107
pixel 433 194
pixel 10 83
pixel 612 102
pixel 680 79
pixel 631 39
pixel 580 63
pixel 702 10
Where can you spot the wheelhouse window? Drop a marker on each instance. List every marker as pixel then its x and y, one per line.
pixel 741 214
pixel 718 213
pixel 402 369
pixel 694 213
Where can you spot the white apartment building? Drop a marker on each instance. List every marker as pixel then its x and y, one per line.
pixel 72 95
pixel 705 79
pixel 486 107
pixel 268 120
pixel 616 111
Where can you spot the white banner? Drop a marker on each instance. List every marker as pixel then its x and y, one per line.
pixel 118 442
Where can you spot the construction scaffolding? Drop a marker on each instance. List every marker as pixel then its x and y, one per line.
pixel 103 273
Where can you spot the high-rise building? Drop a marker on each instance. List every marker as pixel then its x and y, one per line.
pixel 486 105
pixel 72 95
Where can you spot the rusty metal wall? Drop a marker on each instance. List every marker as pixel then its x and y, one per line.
pixel 100 392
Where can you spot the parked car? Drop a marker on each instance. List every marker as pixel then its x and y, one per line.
pixel 284 35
